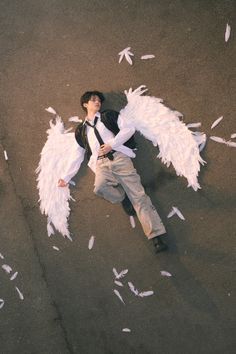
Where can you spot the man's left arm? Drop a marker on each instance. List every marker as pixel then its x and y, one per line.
pixel 125 133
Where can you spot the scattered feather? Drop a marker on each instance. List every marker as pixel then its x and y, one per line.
pixel 19 293
pixel 1 256
pixel 14 276
pixel 119 296
pixel 115 273
pixel 118 283
pixel 216 122
pixel 171 213
pixel 132 221
pixel 126 53
pixel 1 303
pixel 50 110
pixel 75 119
pixel 227 32
pixel 126 330
pixel 7 268
pixel 194 125
pixel 178 212
pixel 233 136
pixel 147 56
pixel 133 289
pixel 146 293
pixel 55 248
pixel 91 242
pixel 218 139
pixel 121 274
pixel 164 273
pixel 231 143
pixel 5 155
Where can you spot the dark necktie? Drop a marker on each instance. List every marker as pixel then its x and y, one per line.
pixel 99 138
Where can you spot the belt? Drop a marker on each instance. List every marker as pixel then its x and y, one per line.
pixel 105 156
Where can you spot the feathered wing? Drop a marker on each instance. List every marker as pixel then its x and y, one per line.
pixel 161 125
pixel 54 201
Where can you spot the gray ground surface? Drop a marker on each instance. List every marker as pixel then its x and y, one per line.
pixel 51 52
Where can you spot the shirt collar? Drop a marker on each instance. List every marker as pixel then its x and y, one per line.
pixel 98 114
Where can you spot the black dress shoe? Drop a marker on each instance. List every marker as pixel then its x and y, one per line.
pixel 128 207
pixel 159 245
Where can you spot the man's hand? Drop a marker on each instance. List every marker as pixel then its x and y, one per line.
pixel 62 183
pixel 104 149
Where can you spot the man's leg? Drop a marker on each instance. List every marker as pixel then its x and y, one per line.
pixel 125 173
pixel 105 185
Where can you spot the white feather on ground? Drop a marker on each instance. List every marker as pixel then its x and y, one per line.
pixel 162 126
pixel 126 53
pixel 119 296
pixel 51 110
pixel 164 273
pixel 137 293
pixel 1 256
pixel 176 211
pixel 216 122
pixel 147 56
pixel 218 139
pixel 118 283
pixel 7 268
pixel 133 289
pixel 19 293
pixel 115 273
pixel 5 155
pixel 14 276
pixel 122 273
pixel 231 143
pixel 91 242
pixel 227 32
pixel 233 136
pixel 171 213
pixel 132 221
pixel 54 201
pixel 55 248
pixel 1 303
pixel 146 293
pixel 126 330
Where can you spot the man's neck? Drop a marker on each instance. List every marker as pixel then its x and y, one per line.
pixel 91 115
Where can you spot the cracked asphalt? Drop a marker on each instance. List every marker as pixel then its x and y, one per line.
pixel 51 52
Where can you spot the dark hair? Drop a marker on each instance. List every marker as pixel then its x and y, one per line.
pixel 87 96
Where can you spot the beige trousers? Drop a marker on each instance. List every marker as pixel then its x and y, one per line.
pixel 115 178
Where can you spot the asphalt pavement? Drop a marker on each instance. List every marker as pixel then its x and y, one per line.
pixel 62 300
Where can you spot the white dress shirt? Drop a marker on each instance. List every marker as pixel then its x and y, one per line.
pixel 116 142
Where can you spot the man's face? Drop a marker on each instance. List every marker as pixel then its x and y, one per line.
pixel 94 104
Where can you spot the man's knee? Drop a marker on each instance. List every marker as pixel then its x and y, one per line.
pixel 99 188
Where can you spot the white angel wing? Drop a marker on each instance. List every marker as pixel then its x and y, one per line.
pixel 177 144
pixel 54 201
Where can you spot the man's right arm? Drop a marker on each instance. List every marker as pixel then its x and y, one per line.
pixel 73 165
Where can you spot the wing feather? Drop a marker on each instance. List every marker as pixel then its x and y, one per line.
pixel 177 144
pixel 54 201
